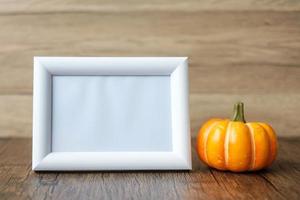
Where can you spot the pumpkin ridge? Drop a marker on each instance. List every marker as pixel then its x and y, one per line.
pixel 214 149
pixel 271 158
pixel 200 138
pixel 206 134
pixel 226 144
pixel 252 164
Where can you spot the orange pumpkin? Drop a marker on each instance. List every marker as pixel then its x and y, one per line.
pixel 235 145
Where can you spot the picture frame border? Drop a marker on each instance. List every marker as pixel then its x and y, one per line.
pixel 43 159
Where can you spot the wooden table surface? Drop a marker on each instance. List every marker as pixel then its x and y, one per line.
pixel 17 181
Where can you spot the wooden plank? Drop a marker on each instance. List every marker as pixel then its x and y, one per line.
pixel 245 79
pixel 281 175
pixel 230 52
pixel 276 109
pixel 15 115
pixel 15 152
pixel 17 181
pixel 134 5
pixel 15 167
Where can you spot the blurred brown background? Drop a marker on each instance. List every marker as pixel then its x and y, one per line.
pixel 238 50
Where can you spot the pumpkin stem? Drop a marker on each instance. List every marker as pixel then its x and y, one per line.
pixel 238 112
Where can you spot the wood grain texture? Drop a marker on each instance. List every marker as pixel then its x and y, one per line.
pixel 17 181
pixel 37 6
pixel 238 50
pixel 229 51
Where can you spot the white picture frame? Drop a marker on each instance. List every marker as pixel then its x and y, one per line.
pixel 45 68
